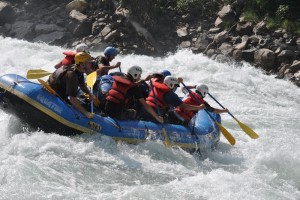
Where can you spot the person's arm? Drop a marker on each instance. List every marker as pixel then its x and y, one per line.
pixel 150 110
pixel 85 89
pixel 215 110
pixel 185 106
pixel 107 67
pixel 74 101
pixel 219 111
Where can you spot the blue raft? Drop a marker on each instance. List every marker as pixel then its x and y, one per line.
pixel 37 107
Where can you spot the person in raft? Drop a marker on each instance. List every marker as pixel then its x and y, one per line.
pixel 163 96
pixel 70 55
pixel 184 116
pixel 124 87
pixel 66 80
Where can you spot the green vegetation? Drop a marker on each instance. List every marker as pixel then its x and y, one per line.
pixel 197 7
pixel 282 14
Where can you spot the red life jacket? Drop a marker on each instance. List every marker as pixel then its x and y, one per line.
pixel 160 90
pixel 188 114
pixel 68 60
pixel 119 89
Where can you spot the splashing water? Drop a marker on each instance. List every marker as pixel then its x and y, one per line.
pixel 35 165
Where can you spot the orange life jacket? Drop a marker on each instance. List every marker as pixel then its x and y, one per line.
pixel 119 89
pixel 190 99
pixel 160 90
pixel 68 60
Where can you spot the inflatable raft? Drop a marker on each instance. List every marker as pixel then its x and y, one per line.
pixel 36 106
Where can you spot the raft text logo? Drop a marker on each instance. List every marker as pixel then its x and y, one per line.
pixel 49 104
pixel 94 126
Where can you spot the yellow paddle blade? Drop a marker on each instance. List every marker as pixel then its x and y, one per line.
pixel 247 130
pixel 226 134
pixel 91 79
pixel 36 73
pixel 167 141
pixel 48 87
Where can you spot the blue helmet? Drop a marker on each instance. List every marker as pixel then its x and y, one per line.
pixel 166 73
pixel 110 51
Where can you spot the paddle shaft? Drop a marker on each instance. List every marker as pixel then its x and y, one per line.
pixel 220 104
pixel 168 144
pixel 245 128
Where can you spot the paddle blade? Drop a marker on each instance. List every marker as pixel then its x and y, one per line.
pixel 247 130
pixel 226 134
pixel 48 87
pixel 167 141
pixel 36 73
pixel 91 79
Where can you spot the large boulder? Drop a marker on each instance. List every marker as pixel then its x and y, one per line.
pixel 79 5
pixel 7 13
pixel 201 43
pixel 52 38
pixel 264 58
pixel 22 30
pixel 260 28
pixel 80 24
pixel 227 14
pixel 48 28
pixel 221 37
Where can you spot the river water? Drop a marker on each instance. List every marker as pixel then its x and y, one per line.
pixel 36 165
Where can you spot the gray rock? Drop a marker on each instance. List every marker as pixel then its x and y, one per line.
pixel 225 49
pixel 219 23
pixel 221 37
pixel 182 32
pixel 50 38
pixel 7 13
pixel 79 5
pixel 76 15
pixel 48 28
pixel 241 46
pixel 22 29
pixel 214 30
pixel 227 13
pixel 295 67
pixel 260 28
pixel 287 53
pixel 264 58
pixel 245 29
pixel 106 30
pixel 110 36
pixel 202 42
pixel 80 24
pixel 185 44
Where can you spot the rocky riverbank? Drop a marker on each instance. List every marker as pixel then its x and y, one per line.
pixel 102 23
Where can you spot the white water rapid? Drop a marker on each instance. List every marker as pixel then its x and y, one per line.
pixel 35 165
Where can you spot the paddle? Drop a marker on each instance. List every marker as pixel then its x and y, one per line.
pixel 224 131
pixel 37 73
pixel 167 141
pixel 90 80
pixel 245 128
pixel 48 87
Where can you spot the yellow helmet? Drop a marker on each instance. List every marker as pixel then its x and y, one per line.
pixel 82 57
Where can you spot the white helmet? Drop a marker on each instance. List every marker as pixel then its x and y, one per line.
pixel 171 81
pixel 81 47
pixel 135 71
pixel 202 90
